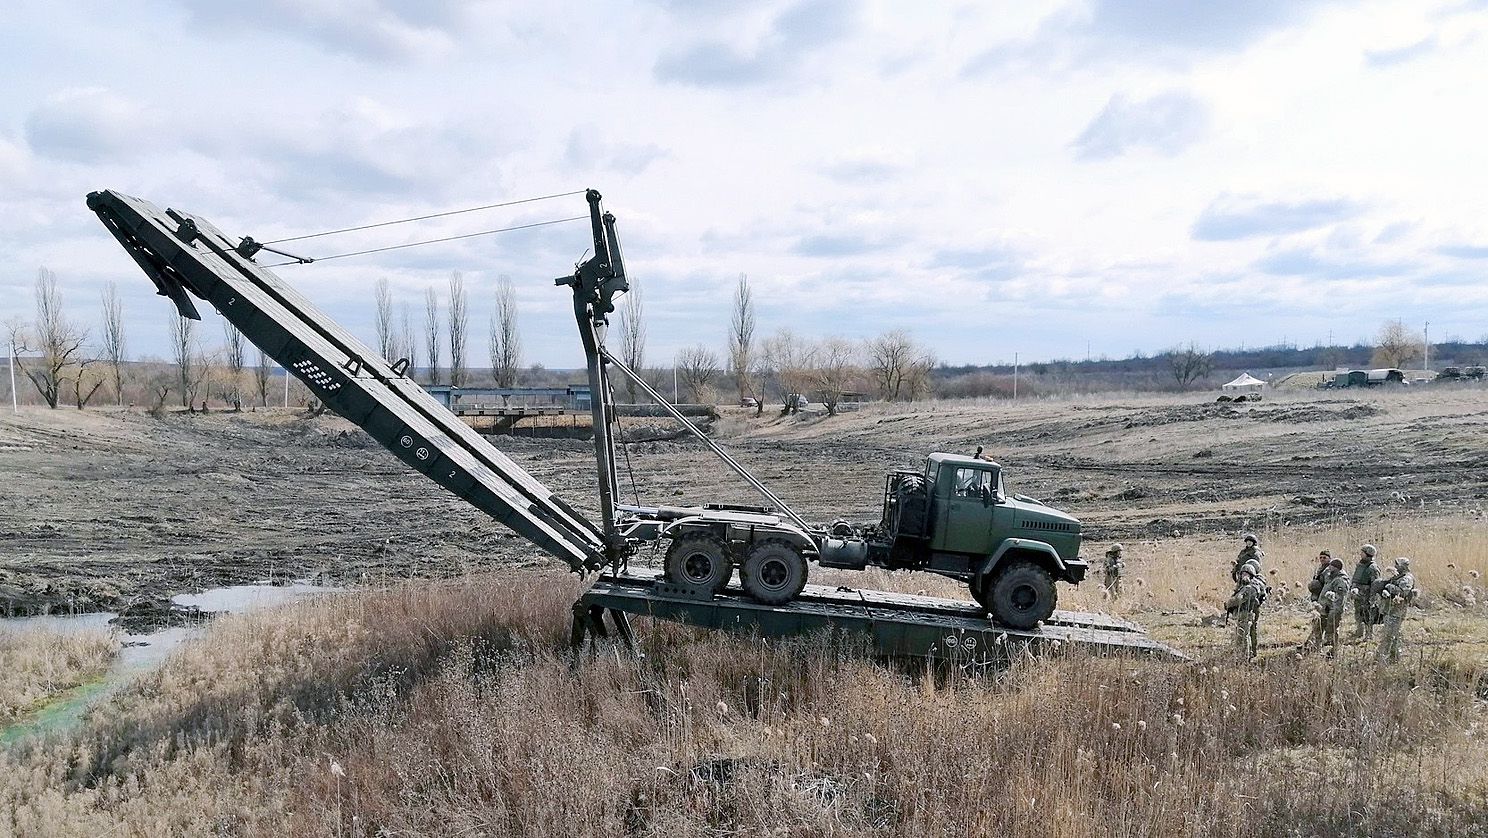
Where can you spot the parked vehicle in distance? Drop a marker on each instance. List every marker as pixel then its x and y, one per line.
pixel 748 402
pixel 1363 378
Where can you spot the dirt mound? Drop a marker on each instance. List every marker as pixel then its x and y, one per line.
pixel 1316 413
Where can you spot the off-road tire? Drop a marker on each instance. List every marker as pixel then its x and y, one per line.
pixel 774 572
pixel 699 562
pixel 1022 595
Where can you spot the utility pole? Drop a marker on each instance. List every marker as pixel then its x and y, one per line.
pixel 674 383
pixel 286 387
pixel 15 404
pixel 1015 376
pixel 1426 362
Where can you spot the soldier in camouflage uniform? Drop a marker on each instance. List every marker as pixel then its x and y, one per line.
pixel 1251 552
pixel 1245 605
pixel 1319 576
pixel 1362 582
pixel 1113 569
pixel 1395 596
pixel 1332 601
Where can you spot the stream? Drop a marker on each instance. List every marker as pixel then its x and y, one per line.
pixel 140 653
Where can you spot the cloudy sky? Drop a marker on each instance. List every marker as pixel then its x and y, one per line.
pixel 1040 178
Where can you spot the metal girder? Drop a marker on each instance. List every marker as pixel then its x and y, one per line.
pixel 182 253
pixel 897 625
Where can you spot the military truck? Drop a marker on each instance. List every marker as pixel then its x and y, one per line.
pixel 1363 378
pixel 954 517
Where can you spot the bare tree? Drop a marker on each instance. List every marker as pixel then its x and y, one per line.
pixel 85 382
pixel 1396 344
pixel 632 336
pixel 698 366
pixel 741 338
pixel 459 327
pixel 114 350
pixel 57 339
pixel 833 368
pixel 235 363
pixel 787 359
pixel 183 352
pixel 1189 365
pixel 431 332
pixel 506 341
pixel 407 346
pixel 899 365
pixel 261 378
pixel 384 322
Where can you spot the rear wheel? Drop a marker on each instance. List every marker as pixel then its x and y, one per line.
pixel 699 562
pixel 774 572
pixel 1021 596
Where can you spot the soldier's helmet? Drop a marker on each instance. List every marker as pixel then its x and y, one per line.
pixel 1368 550
pixel 1324 554
pixel 1251 567
pixel 1336 564
pixel 1247 572
pixel 1402 564
pixel 1250 538
pixel 1115 548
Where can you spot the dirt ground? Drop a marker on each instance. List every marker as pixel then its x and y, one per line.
pixel 102 508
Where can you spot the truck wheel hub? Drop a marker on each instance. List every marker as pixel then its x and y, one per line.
pixel 1024 597
pixel 698 567
pixel 774 573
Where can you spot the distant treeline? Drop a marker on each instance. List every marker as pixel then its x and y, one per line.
pixel 1166 370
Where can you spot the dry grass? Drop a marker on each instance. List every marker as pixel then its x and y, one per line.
pixel 38 665
pixel 453 709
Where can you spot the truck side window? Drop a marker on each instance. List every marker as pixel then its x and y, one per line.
pixel 969 482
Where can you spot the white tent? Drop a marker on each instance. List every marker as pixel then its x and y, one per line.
pixel 1246 383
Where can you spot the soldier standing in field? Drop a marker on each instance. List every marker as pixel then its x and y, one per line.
pixel 1113 569
pixel 1395 596
pixel 1250 553
pixel 1319 576
pixel 1332 600
pixel 1365 575
pixel 1245 605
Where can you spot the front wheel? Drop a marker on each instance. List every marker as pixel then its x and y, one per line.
pixel 774 573
pixel 1021 595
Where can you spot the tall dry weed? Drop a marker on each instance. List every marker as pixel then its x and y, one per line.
pixel 37 665
pixel 456 709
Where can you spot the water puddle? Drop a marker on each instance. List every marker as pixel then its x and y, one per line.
pixel 140 653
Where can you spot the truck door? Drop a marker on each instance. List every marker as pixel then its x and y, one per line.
pixel 966 520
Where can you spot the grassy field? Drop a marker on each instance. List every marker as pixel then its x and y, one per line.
pixel 453 709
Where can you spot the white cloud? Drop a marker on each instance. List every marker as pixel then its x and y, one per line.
pixel 1167 123
pixel 1149 161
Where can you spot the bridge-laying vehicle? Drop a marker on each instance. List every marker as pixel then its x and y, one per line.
pixel 953 517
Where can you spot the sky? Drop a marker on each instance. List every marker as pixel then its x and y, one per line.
pixel 1051 179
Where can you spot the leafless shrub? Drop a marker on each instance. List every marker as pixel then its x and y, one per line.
pixel 698 367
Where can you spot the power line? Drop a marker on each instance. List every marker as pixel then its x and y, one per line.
pixel 425 217
pixel 433 241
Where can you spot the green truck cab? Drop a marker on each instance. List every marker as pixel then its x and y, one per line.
pixel 957 518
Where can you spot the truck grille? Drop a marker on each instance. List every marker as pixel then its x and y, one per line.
pixel 1047 526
